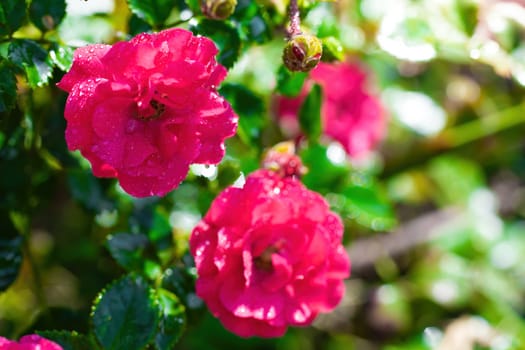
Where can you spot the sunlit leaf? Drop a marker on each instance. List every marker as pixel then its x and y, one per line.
pixel 33 60
pixel 456 178
pixel 172 320
pixel 324 172
pixel 61 56
pixel 368 207
pixel 468 13
pixel 290 83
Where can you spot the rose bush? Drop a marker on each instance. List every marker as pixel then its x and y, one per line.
pixel 29 342
pixel 350 114
pixel 269 256
pixel 144 110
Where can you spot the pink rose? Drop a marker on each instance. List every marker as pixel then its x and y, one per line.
pixel 144 110
pixel 269 256
pixel 349 113
pixel 29 342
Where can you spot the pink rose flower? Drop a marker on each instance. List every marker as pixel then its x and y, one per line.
pixel 144 110
pixel 269 256
pixel 29 342
pixel 349 113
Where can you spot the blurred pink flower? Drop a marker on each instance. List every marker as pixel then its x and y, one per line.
pixel 144 110
pixel 29 342
pixel 269 256
pixel 350 114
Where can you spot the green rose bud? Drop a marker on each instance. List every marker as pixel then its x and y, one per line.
pixel 302 53
pixel 218 9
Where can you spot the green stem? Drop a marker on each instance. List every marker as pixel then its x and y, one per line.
pixel 177 23
pixel 484 126
pixel 455 137
pixel 37 277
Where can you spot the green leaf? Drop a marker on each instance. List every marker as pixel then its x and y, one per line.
pixel 127 249
pixel 33 60
pixel 332 50
pixel 455 178
pixel 368 207
pixel 70 340
pixel 229 171
pixel 7 86
pixel 250 109
pixel 181 281
pixel 10 252
pixel 137 25
pixel 86 188
pixel 12 15
pixel 125 315
pixel 310 113
pixel 154 12
pixel 225 37
pixel 61 56
pixel 467 11
pixel 290 83
pixel 160 226
pixel 172 320
pixel 324 174
pixel 252 21
pixel 47 14
pixel 193 5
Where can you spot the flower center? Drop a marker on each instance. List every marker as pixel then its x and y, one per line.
pixel 148 102
pixel 264 261
pixel 151 110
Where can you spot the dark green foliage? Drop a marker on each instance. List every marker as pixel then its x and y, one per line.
pixel 10 252
pixel 180 281
pixel 47 14
pixel 154 12
pixel 70 340
pixel 125 315
pixel 33 60
pixel 253 22
pixel 225 36
pixel 127 249
pixel 7 86
pixel 65 234
pixel 310 113
pixel 250 109
pixel 12 15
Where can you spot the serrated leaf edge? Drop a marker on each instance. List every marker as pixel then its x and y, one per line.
pixel 104 290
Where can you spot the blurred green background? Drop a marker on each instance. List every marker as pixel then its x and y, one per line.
pixel 434 218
